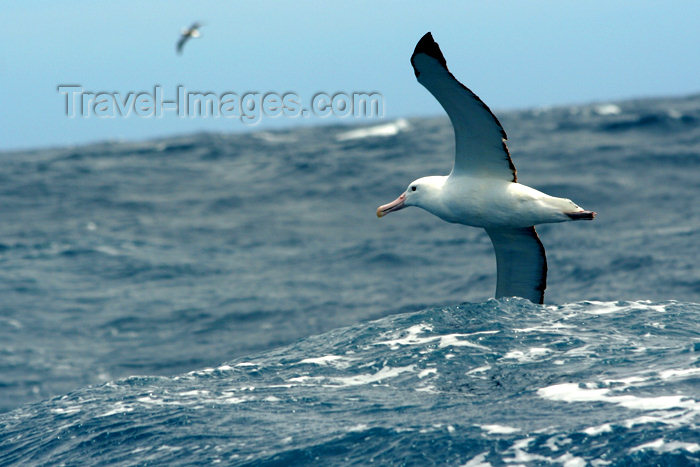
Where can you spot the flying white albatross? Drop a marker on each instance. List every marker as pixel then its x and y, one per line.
pixel 482 189
pixel 187 34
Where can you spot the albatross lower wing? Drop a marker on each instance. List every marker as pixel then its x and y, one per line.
pixel 521 263
pixel 181 43
pixel 480 139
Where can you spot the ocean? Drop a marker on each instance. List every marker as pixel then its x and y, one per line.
pixel 233 298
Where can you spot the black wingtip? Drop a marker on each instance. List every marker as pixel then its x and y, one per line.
pixel 427 45
pixel 582 215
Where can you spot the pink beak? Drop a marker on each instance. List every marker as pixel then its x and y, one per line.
pixel 395 205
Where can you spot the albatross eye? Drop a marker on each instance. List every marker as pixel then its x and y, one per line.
pixel 413 188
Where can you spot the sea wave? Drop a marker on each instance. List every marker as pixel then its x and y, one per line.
pixel 498 382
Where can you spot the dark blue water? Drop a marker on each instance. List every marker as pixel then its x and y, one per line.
pixel 234 298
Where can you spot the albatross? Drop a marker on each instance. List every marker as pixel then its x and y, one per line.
pixel 187 34
pixel 483 190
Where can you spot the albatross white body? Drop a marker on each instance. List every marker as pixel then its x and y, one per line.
pixel 487 202
pixel 482 189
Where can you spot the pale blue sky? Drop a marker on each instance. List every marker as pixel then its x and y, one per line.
pixel 513 54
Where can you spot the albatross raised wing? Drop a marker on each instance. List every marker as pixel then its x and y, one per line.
pixel 187 34
pixel 521 263
pixel 480 139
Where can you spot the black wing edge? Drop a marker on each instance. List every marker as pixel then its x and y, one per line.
pixel 543 279
pixel 427 45
pixel 181 43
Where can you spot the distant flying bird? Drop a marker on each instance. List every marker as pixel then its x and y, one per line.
pixel 482 189
pixel 191 32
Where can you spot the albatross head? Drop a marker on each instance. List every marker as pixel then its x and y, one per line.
pixel 423 193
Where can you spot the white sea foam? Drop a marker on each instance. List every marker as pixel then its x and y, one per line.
pixel 674 114
pixel 572 392
pixel 384 130
pixel 66 410
pixel 569 460
pixel 358 427
pixel 498 429
pixel 108 250
pixel 531 354
pixel 607 109
pixel 275 138
pixel 677 417
pixel 660 445
pixel 546 327
pixel 228 400
pixel 629 381
pixel 680 374
pixel 11 322
pixel 194 392
pixel 117 408
pixel 427 372
pixel 478 461
pixel 427 388
pixel 555 442
pixel 195 398
pixel 381 375
pixel 325 360
pixel 522 457
pixel 606 308
pixel 337 361
pixel 355 380
pixel 583 351
pixel 480 369
pixel 596 430
pixel 411 336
